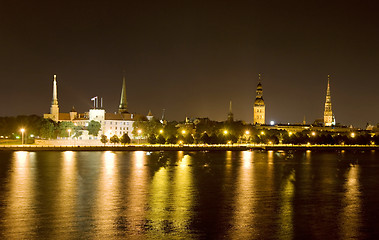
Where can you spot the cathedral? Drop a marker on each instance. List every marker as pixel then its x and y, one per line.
pixel 117 123
pixel 259 105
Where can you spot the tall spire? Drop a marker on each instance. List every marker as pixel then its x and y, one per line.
pixel 55 92
pixel 230 114
pixel 123 107
pixel 54 109
pixel 328 113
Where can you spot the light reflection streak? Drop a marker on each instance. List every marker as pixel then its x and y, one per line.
pixel 67 194
pixel 108 195
pixel 159 200
pixel 351 213
pixel 286 208
pixel 244 219
pixel 137 193
pixel 20 211
pixel 183 195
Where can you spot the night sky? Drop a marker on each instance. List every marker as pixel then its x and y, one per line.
pixel 192 57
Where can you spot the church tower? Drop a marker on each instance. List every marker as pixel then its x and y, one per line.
pixel 328 114
pixel 230 114
pixel 123 107
pixel 54 109
pixel 259 105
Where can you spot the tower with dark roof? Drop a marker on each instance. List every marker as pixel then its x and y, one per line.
pixel 259 105
pixel 123 107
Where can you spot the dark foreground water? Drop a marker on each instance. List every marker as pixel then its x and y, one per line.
pixel 187 195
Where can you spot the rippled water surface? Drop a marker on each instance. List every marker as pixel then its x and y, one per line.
pixel 189 195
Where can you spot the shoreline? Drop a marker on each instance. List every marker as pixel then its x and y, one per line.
pixel 194 147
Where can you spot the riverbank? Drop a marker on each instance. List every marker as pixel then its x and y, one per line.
pixel 191 147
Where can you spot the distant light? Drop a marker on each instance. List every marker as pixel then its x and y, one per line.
pixel 352 135
pixel 263 133
pixel 247 132
pixel 290 133
pixel 225 131
pixel 313 134
pixel 31 135
pixel 139 131
pixel 184 132
pixel 161 131
pixel 22 130
pixel 272 123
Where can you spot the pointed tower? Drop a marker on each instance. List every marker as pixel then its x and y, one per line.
pixel 259 105
pixel 54 109
pixel 328 114
pixel 230 114
pixel 123 107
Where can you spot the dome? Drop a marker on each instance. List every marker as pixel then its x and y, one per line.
pixel 259 102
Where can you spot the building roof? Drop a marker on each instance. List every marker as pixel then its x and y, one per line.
pixel 64 117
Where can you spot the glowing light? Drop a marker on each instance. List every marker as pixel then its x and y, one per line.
pixel 352 135
pixel 247 132
pixel 290 133
pixel 313 134
pixel 139 131
pixel 225 132
pixel 272 123
pixel 183 131
pixel 161 131
pixel 263 133
pixel 22 130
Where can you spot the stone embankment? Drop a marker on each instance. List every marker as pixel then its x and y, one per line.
pixel 190 147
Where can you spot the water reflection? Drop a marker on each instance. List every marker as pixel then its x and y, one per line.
pixel 245 200
pixel 107 198
pixel 136 196
pixel 351 213
pixel 66 196
pixel 20 212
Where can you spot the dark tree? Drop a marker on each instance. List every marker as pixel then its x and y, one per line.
pixel 93 128
pixel 125 139
pixel 152 139
pixel 161 139
pixel 104 139
pixel 114 139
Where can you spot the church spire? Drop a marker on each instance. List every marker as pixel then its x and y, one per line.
pixel 230 114
pixel 54 109
pixel 123 107
pixel 259 105
pixel 328 113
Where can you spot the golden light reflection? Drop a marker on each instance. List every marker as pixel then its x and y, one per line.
pixel 286 208
pixel 138 188
pixel 67 192
pixel 270 157
pixel 183 195
pixel 108 195
pixel 159 201
pixel 350 221
pixel 20 211
pixel 245 200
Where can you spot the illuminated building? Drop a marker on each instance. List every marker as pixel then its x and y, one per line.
pixel 111 123
pixel 259 105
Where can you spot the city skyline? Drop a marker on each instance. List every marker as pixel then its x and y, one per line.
pixel 192 59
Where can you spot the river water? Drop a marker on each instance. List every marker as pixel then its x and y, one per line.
pixel 189 195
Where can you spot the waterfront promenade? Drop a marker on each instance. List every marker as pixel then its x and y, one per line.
pixel 185 147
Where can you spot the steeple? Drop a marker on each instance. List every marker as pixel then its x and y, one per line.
pixel 123 107
pixel 230 114
pixel 328 113
pixel 55 92
pixel 259 105
pixel 54 109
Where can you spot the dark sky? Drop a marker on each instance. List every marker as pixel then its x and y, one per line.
pixel 193 57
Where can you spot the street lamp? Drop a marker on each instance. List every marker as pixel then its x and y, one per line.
pixel 161 131
pixel 22 136
pixel 225 132
pixel 183 132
